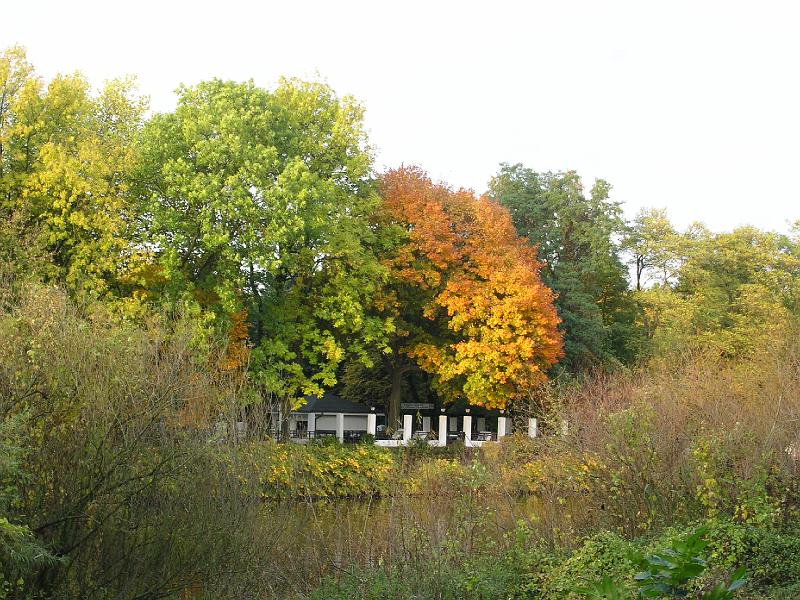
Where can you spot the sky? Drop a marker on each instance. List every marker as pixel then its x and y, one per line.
pixel 689 106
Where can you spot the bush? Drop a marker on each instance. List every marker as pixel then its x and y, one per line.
pixel 774 558
pixel 116 480
pixel 604 554
pixel 316 471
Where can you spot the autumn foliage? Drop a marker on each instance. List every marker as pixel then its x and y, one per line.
pixel 476 277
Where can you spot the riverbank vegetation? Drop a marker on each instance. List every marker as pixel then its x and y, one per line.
pixel 164 278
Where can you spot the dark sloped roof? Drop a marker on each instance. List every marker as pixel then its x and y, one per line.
pixel 331 403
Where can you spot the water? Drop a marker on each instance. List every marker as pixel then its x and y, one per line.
pixel 311 540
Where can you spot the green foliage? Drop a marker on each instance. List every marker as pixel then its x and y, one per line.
pixel 577 237
pixel 730 293
pixel 772 557
pixel 100 465
pixel 606 589
pixel 668 573
pixel 260 199
pixel 604 554
pixel 657 248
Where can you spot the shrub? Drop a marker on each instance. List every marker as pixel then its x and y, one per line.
pixel 317 470
pixel 440 477
pixel 773 559
pixel 604 554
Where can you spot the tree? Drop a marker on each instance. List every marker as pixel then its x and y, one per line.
pixel 657 248
pixel 465 294
pixel 260 199
pixel 732 293
pixel 578 238
pixel 64 156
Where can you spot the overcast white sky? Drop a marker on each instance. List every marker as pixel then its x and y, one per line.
pixel 693 106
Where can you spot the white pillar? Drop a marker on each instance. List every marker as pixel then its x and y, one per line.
pixel 468 428
pixel 340 426
pixel 406 428
pixel 443 430
pixel 533 427
pixel 564 427
pixel 501 427
pixel 312 424
pixel 426 423
pixel 372 420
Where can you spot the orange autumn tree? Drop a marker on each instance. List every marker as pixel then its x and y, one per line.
pixel 469 306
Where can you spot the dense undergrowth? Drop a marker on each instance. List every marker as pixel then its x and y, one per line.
pixel 651 456
pixel 114 484
pixel 526 568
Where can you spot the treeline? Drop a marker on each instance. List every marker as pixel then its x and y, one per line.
pixel 260 213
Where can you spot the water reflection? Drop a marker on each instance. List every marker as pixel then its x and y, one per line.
pixel 314 539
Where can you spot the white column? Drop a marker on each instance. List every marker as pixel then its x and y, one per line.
pixel 533 427
pixel 372 420
pixel 406 428
pixel 501 427
pixel 312 424
pixel 340 426
pixel 426 423
pixel 443 430
pixel 468 428
pixel 564 427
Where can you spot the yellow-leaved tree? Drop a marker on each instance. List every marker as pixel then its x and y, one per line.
pixel 64 155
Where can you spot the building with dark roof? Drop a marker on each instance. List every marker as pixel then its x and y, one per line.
pixel 331 415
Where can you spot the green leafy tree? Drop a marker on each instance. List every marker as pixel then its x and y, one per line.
pixel 732 293
pixel 260 200
pixel 657 249
pixel 579 239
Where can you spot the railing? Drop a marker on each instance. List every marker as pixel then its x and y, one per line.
pixel 351 436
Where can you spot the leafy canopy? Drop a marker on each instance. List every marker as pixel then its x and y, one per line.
pixel 465 292
pixel 260 199
pixel 578 238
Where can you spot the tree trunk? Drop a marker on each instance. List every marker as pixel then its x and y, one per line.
pixel 639 272
pixel 286 409
pixel 395 397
